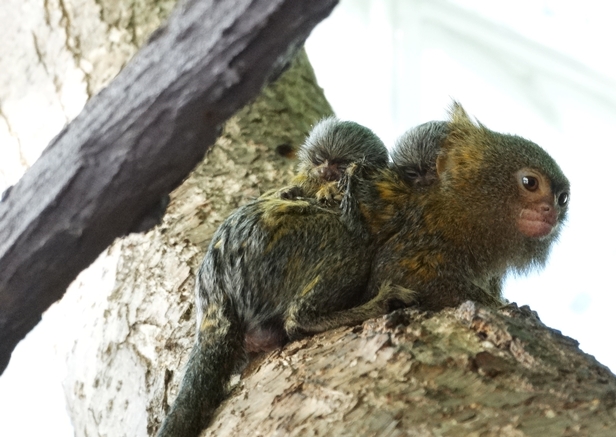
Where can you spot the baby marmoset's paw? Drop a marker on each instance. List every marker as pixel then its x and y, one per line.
pixel 329 194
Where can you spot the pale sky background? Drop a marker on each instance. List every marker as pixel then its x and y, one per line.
pixel 544 70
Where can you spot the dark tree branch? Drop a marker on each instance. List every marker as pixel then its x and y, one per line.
pixel 134 142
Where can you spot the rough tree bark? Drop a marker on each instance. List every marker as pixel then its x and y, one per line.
pixel 461 372
pixel 107 172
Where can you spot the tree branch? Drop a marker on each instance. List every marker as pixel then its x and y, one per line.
pixel 469 371
pixel 134 142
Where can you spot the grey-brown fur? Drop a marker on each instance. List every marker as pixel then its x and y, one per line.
pixel 325 155
pixel 340 143
pixel 414 154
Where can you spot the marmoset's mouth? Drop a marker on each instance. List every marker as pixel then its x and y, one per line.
pixel 537 222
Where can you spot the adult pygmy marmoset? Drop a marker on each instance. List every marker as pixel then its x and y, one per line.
pixel 495 203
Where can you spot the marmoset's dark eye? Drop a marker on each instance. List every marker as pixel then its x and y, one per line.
pixel 563 198
pixel 531 183
pixel 412 174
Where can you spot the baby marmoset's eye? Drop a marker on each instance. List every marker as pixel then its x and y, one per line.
pixel 563 198
pixel 317 159
pixel 412 173
pixel 342 166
